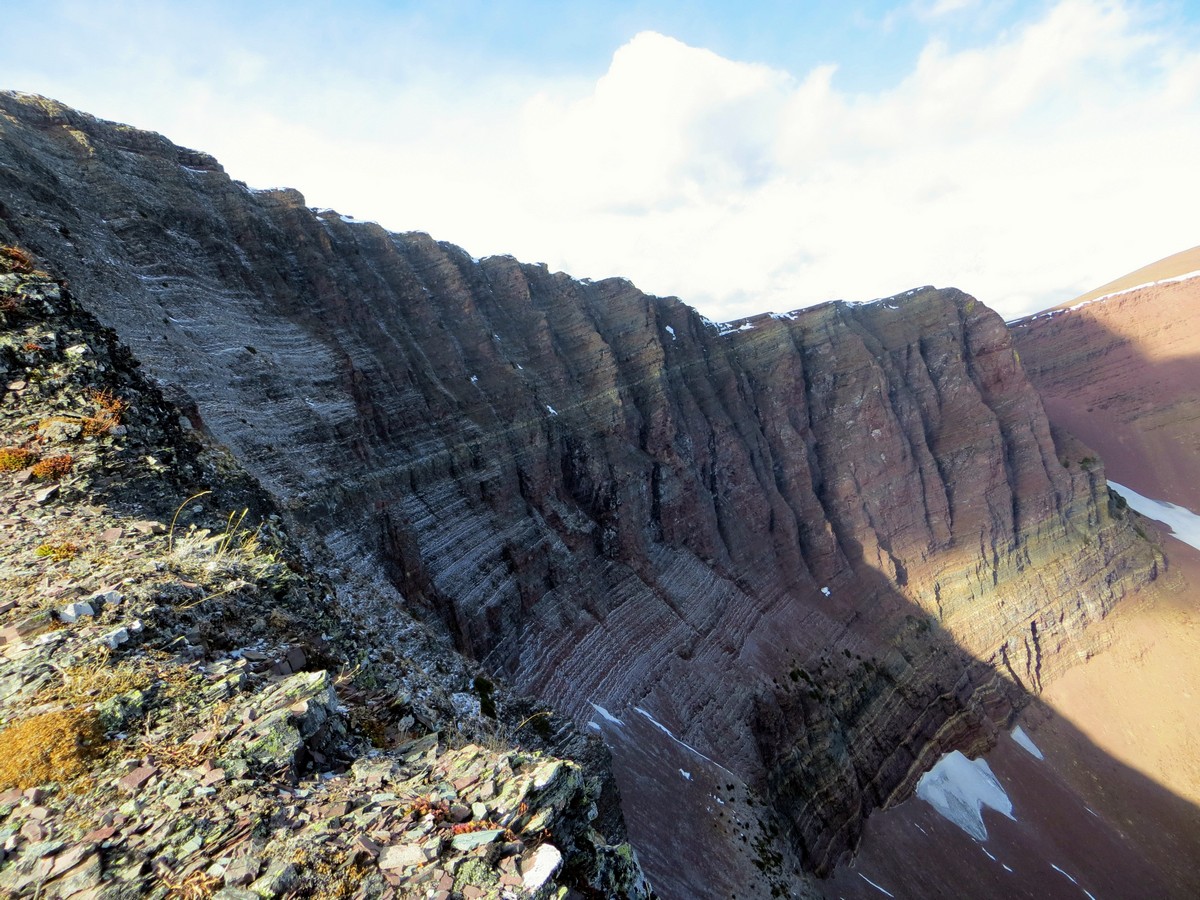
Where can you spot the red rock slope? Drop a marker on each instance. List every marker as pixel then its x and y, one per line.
pixel 1121 371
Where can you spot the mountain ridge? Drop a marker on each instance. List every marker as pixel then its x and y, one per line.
pixel 606 499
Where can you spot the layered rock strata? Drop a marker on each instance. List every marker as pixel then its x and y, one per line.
pixel 787 540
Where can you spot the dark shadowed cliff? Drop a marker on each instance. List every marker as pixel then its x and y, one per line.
pixel 801 554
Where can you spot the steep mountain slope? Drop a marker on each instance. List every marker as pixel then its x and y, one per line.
pixel 1175 266
pixel 1122 372
pixel 793 559
pixel 185 708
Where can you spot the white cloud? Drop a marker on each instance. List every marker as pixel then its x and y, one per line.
pixel 1023 171
pixel 1026 169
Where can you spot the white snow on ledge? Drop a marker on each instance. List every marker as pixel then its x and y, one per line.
pixel 1050 313
pixel 959 788
pixel 1183 523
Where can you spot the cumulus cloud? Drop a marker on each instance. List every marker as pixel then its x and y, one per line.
pixel 1025 167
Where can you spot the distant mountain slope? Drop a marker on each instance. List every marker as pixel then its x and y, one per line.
pixel 1173 266
pixel 1123 374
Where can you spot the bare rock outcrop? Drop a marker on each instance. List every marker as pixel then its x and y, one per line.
pixel 814 549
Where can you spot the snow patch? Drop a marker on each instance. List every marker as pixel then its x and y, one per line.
pixel 874 885
pixel 1091 896
pixel 1050 313
pixel 687 775
pixel 550 409
pixel 670 331
pixel 1026 744
pixel 1182 522
pixel 607 715
pixel 959 788
pixel 474 379
pixel 667 731
pixel 826 591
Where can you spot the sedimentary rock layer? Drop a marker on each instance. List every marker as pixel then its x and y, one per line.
pixel 787 539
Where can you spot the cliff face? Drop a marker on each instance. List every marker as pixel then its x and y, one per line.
pixel 848 528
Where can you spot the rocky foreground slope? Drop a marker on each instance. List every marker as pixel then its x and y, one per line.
pixel 779 565
pixel 185 711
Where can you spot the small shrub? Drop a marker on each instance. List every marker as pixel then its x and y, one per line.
pixel 109 409
pixel 58 551
pixel 53 467
pixel 198 885
pixel 14 259
pixel 13 459
pixel 54 746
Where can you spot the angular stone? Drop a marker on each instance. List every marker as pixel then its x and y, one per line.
pixel 242 871
pixel 473 839
pixel 539 866
pixel 134 781
pixel 403 856
pixel 73 612
pixel 116 638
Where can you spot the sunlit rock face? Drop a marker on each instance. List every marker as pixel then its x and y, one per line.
pixel 818 549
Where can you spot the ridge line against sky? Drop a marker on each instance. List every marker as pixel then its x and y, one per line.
pixel 745 157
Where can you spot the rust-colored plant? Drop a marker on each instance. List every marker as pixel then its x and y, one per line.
pixel 13 459
pixel 53 467
pixel 54 746
pixel 109 409
pixel 483 825
pixel 422 807
pixel 14 259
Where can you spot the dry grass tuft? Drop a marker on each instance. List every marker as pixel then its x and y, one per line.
pixel 53 467
pixel 14 259
pixel 109 409
pixel 54 746
pixel 13 459
pixel 196 886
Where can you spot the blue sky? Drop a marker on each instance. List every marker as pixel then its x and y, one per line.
pixel 745 156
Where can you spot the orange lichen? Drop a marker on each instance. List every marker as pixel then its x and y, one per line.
pixel 14 259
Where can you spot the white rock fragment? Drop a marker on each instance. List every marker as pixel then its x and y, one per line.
pixel 537 870
pixel 73 612
pixel 116 637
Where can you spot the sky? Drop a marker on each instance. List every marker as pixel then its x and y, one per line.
pixel 744 156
